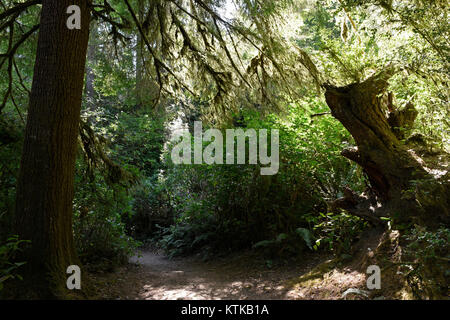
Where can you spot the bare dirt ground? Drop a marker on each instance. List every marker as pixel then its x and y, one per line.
pixel 153 276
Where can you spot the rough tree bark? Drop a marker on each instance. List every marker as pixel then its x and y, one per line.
pixel 46 179
pixel 403 186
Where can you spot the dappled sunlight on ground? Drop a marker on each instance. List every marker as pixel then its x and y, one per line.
pixel 153 276
pixel 330 285
pixel 165 281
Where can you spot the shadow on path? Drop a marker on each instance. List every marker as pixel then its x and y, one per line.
pixel 232 278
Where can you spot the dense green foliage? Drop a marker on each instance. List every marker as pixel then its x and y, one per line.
pixel 428 275
pixel 9 269
pixel 259 73
pixel 230 207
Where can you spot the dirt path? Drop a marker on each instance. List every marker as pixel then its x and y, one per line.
pixel 154 276
pixel 244 276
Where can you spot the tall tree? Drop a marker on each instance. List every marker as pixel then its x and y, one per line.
pixel 45 184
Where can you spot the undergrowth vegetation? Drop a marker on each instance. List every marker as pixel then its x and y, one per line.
pixel 221 208
pixel 128 191
pixel 428 273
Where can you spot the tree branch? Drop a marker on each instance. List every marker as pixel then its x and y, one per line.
pixel 157 62
pixel 19 8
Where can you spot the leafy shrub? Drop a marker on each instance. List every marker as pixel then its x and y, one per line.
pixel 138 141
pixel 8 251
pixel 335 231
pixel 199 230
pixel 11 136
pixel 99 231
pixel 150 208
pixel 207 199
pixel 286 245
pixel 429 273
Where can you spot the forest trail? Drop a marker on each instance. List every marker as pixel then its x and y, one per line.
pixel 241 276
pixel 154 276
pixel 190 279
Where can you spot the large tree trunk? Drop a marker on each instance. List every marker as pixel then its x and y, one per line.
pixel 402 186
pixel 46 179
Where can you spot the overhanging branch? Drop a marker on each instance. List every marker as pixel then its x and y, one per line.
pixel 158 63
pixel 19 8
